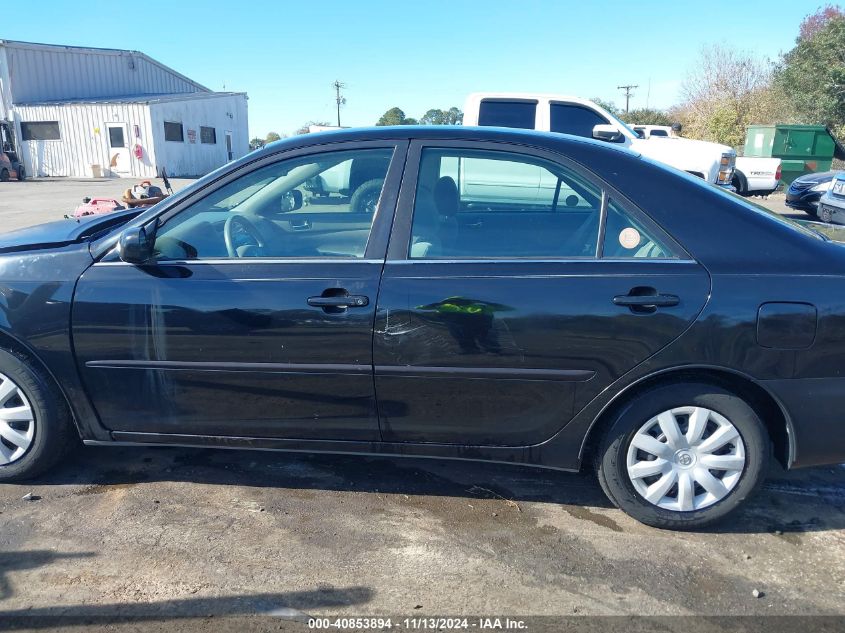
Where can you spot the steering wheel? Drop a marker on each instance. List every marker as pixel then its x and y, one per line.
pixel 236 223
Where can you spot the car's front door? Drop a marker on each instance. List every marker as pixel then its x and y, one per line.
pixel 502 312
pixel 255 317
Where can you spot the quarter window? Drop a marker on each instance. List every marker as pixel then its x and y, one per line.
pixel 627 237
pixel 173 132
pixel 40 131
pixel 568 118
pixel 488 204
pixel 315 206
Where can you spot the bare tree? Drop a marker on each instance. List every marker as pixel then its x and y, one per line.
pixel 720 94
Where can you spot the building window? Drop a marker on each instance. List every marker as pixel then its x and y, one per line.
pixel 208 135
pixel 40 131
pixel 173 132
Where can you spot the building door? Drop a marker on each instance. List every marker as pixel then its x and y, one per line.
pixel 119 156
pixel 230 155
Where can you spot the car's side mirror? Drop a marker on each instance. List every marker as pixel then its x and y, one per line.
pixel 135 246
pixel 609 133
pixel 291 201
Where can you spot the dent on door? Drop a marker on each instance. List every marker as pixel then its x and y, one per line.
pixel 496 356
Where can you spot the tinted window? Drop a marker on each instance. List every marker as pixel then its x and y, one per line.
pixel 658 133
pixel 116 137
pixel 40 131
pixel 574 119
pixel 257 216
pixel 626 237
pixel 482 204
pixel 208 135
pixel 519 114
pixel 173 132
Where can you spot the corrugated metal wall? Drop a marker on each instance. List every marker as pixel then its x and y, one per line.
pixel 84 140
pixel 57 73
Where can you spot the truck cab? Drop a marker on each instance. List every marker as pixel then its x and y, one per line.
pixel 582 117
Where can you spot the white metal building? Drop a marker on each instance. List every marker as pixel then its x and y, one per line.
pixel 86 112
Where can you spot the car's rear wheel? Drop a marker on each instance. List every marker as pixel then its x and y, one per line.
pixel 683 456
pixel 21 173
pixel 35 426
pixel 365 198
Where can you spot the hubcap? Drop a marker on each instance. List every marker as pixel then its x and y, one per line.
pixel 17 422
pixel 686 459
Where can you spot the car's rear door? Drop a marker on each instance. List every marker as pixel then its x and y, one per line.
pixel 222 336
pixel 498 319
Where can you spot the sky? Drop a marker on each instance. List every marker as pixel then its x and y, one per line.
pixel 416 55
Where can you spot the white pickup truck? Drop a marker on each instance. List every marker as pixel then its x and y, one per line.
pixel 581 117
pixel 753 175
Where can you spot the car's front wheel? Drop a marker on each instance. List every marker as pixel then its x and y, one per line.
pixel 683 456
pixel 35 426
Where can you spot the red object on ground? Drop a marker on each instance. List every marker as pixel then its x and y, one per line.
pixel 97 206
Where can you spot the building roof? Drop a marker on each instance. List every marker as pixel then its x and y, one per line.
pixel 143 99
pixel 99 51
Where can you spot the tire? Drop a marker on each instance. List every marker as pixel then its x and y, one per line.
pixel 51 434
pixel 740 184
pixel 366 196
pixel 21 173
pixel 825 215
pixel 751 448
pixel 813 212
pixel 4 175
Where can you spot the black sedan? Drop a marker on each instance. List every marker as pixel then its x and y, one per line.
pixel 804 192
pixel 469 293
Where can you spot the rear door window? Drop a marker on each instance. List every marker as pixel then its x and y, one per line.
pixel 518 114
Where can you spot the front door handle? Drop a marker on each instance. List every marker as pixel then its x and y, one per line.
pixel 646 301
pixel 340 301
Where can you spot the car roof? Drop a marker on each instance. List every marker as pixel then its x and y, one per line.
pixel 548 140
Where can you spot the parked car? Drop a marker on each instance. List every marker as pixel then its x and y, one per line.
pixel 756 176
pixel 804 192
pixel 753 176
pixel 653 131
pixel 831 207
pixel 581 117
pixel 615 333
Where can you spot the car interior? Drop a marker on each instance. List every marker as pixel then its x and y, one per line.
pixel 286 209
pixel 494 205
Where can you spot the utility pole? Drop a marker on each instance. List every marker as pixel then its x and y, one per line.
pixel 341 100
pixel 628 89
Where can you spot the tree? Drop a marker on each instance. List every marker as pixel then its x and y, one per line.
pixel 815 22
pixel 256 143
pixel 720 94
pixel 812 74
pixel 395 116
pixel 646 116
pixel 607 105
pixel 272 136
pixel 452 116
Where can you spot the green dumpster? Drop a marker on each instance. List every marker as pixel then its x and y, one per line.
pixel 801 148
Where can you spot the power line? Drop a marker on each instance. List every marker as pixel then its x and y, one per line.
pixel 339 98
pixel 628 90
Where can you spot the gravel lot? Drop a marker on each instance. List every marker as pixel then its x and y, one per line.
pixel 165 532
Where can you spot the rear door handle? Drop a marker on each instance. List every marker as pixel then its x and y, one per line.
pixel 646 301
pixel 347 301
